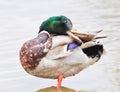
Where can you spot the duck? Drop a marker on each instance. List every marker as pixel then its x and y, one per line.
pixel 57 52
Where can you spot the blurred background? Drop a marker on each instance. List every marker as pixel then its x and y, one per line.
pixel 20 21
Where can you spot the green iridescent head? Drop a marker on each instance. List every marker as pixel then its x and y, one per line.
pixel 57 25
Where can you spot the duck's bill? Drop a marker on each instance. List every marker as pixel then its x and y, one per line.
pixel 75 37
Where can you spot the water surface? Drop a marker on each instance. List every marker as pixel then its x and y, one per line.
pixel 20 21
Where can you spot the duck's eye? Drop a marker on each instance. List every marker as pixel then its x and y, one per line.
pixel 65 21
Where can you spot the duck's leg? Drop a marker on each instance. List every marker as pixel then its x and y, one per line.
pixel 60 77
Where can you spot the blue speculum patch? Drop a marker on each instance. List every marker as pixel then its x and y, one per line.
pixel 73 45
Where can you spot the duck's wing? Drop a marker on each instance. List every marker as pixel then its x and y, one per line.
pixel 62 46
pixel 59 47
pixel 61 40
pixel 58 52
pixel 62 51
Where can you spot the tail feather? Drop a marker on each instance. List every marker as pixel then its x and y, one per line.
pixel 94 51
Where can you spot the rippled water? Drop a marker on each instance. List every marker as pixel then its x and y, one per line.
pixel 20 20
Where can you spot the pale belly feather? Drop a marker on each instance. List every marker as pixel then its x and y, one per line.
pixel 68 66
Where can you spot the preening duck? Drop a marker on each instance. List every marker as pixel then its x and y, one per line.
pixel 57 52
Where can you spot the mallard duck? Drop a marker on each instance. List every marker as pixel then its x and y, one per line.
pixel 56 55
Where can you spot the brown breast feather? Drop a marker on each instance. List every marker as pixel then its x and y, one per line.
pixel 33 50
